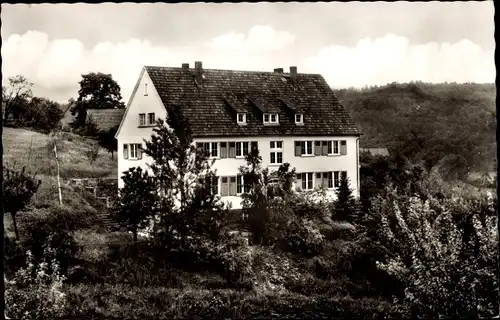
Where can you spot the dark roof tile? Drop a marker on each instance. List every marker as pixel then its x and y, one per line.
pixel 206 106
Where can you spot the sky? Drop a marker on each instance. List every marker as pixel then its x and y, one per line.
pixel 352 44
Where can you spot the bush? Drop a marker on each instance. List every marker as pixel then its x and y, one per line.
pixel 14 255
pixel 448 268
pixel 55 228
pixel 35 292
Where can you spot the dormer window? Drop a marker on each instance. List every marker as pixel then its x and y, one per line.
pixel 299 118
pixel 271 118
pixel 242 118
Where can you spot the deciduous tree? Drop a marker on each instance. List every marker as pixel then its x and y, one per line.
pixel 138 200
pixel 19 187
pixel 97 91
pixel 16 95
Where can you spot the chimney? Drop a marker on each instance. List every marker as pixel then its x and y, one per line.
pixel 185 66
pixel 198 73
pixel 293 76
pixel 278 70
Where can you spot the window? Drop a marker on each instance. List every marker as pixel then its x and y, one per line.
pixel 330 180
pixel 241 149
pixel 210 148
pixel 271 118
pixel 336 179
pixel 333 147
pixel 307 148
pixel 307 180
pixel 223 150
pixel 242 118
pixel 276 155
pixel 232 186
pixel 145 89
pixel 142 119
pixel 299 119
pixel 132 151
pixel 241 187
pixel 151 118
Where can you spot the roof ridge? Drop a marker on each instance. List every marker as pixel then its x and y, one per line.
pixel 232 70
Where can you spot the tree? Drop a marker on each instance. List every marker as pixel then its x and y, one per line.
pixel 138 200
pixel 92 153
pixel 43 114
pixel 108 142
pixel 16 95
pixel 255 200
pixel 19 187
pixel 183 174
pixel 344 207
pixel 97 91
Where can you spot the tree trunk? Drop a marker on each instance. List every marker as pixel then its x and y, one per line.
pixel 112 155
pixel 135 235
pixel 15 225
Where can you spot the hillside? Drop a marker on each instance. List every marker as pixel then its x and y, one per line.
pixel 35 151
pixel 429 123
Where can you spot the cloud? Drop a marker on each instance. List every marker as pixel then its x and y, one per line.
pixel 57 64
pixel 259 38
pixel 393 58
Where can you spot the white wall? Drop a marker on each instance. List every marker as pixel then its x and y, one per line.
pixel 141 103
pixel 348 162
pixel 130 132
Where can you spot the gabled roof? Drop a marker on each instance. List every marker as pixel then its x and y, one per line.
pixel 105 119
pixel 206 106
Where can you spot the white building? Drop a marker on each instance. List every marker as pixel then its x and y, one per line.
pixel 292 117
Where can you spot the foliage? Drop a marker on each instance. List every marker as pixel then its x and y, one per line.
pixel 428 122
pixel 93 153
pixel 190 212
pixel 18 187
pixel 108 142
pixel 97 91
pixel 266 203
pixel 138 200
pixel 42 114
pixel 447 268
pixel 36 291
pixel 345 204
pixel 53 228
pixel 16 96
pixel 141 302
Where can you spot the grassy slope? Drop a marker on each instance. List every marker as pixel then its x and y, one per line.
pixel 35 151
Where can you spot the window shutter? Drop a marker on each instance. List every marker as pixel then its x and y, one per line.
pixel 298 148
pixel 223 149
pixel 254 145
pixel 324 148
pixel 232 150
pixel 343 147
pixel 318 181
pixel 232 186
pixel 343 174
pixel 224 187
pixel 317 148
pixel 125 151
pixel 325 180
pixel 238 184
pixel 139 151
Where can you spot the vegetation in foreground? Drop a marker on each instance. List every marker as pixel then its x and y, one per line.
pixel 304 259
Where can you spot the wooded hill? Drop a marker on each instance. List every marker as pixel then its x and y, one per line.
pixel 432 124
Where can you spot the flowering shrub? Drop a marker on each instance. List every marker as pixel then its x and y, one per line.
pixel 35 292
pixel 448 269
